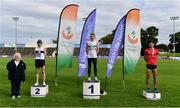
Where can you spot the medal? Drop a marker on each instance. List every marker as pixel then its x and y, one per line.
pixel 152 52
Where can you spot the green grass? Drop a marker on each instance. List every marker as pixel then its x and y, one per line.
pixel 171 54
pixel 68 94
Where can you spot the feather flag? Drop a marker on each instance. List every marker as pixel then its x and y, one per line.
pixel 132 42
pixel 66 36
pixel 116 45
pixel 88 27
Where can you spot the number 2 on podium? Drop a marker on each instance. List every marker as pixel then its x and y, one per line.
pixel 92 88
pixel 37 91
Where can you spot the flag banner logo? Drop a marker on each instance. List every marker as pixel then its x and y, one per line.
pixel 132 38
pixel 67 33
pixel 88 27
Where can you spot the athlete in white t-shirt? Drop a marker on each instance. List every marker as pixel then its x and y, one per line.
pixel 40 52
pixel 92 49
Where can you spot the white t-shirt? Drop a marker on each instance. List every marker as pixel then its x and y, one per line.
pixel 91 49
pixel 40 53
pixel 17 63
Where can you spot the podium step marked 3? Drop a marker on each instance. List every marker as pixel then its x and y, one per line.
pixel 152 96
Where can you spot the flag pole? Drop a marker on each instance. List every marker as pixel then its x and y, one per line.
pixel 78 82
pixel 123 69
pixel 56 74
pixel 123 74
pixel 105 83
pixel 56 83
pixel 78 79
pixel 56 79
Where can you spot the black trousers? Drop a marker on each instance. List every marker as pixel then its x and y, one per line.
pixel 90 61
pixel 15 87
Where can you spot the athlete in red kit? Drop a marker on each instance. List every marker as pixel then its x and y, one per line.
pixel 150 56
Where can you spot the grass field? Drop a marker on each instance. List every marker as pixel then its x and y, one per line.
pixel 68 94
pixel 171 54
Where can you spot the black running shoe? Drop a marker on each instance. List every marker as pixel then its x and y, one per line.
pixel 155 90
pixel 148 90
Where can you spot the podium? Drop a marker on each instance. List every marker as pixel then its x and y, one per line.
pixel 39 91
pixel 152 96
pixel 91 90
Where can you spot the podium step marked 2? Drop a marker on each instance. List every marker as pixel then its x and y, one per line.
pixel 39 91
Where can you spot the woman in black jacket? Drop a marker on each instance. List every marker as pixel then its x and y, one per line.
pixel 16 73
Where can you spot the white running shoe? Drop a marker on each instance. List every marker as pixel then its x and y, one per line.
pixel 36 84
pixel 44 84
pixel 13 97
pixel 18 96
pixel 96 79
pixel 89 79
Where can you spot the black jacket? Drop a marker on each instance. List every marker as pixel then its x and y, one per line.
pixel 16 72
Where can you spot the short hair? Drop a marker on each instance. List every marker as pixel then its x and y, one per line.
pixel 151 41
pixel 92 33
pixel 17 54
pixel 39 41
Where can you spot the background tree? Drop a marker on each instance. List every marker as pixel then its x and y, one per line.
pixel 108 38
pixel 177 41
pixel 150 34
pixel 162 47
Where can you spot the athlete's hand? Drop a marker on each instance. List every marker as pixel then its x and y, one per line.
pixel 145 58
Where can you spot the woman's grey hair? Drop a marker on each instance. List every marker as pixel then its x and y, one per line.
pixel 17 55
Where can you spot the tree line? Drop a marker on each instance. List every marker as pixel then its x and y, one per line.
pixel 149 34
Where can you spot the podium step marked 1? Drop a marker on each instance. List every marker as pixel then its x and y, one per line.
pixel 91 90
pixel 39 91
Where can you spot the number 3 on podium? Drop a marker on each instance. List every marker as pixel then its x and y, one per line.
pixel 92 89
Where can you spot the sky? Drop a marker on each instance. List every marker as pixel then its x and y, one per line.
pixel 39 19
